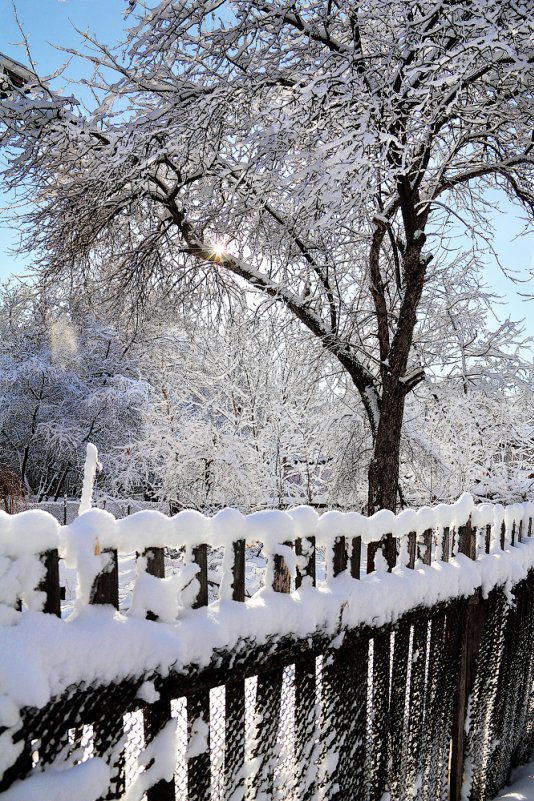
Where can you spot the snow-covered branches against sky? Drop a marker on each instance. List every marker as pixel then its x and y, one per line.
pixel 51 22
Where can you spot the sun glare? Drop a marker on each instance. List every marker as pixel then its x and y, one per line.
pixel 218 249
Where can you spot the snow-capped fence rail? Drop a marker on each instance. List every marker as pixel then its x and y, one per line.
pixel 406 668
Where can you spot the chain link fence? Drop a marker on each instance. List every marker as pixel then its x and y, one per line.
pixel 375 713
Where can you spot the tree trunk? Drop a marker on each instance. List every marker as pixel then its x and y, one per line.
pixel 384 468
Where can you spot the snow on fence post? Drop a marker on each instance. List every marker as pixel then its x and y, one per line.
pixel 388 544
pixel 234 696
pixel 282 575
pixel 155 561
pixel 305 549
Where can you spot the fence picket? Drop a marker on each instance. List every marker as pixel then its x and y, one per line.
pixel 305 756
pixel 50 583
pixel 106 586
pixel 234 719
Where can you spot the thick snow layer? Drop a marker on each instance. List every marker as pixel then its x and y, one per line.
pixel 41 655
pixel 94 530
pixel 521 787
pixel 84 782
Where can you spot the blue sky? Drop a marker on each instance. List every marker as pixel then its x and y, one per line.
pixel 53 22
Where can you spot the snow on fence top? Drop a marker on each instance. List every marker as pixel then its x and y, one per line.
pixel 161 630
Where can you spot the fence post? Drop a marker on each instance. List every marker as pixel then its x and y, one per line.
pixel 50 583
pixel 234 697
pixel 446 544
pixel 105 589
pixel 198 704
pixel 157 714
pixel 339 561
pixel 471 626
pixel 282 576
pixel 200 558
pixel 268 705
pixel 427 543
pixel 389 548
pixel 356 557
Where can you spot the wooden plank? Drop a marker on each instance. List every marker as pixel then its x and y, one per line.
pixel 106 586
pixel 266 725
pixel 388 544
pixel 200 558
pixel 471 633
pixel 446 544
pixel 380 751
pixel 398 709
pixel 234 738
pixel 234 697
pixel 155 561
pixel 427 544
pixel 50 582
pixel 412 549
pixel 339 556
pixel 282 576
pixel 356 557
pixel 343 729
pixel 238 570
pixel 305 756
pixel 467 540
pixel 487 543
pixel 155 717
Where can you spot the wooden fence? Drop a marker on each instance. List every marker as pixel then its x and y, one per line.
pixel 437 705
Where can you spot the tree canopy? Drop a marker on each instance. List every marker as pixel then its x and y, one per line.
pixel 317 153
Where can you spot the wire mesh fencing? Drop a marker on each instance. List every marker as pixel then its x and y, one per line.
pixel 376 713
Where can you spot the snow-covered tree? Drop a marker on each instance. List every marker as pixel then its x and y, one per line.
pixel 305 151
pixel 241 415
pixel 62 384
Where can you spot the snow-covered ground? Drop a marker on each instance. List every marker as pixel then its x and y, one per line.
pixel 522 786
